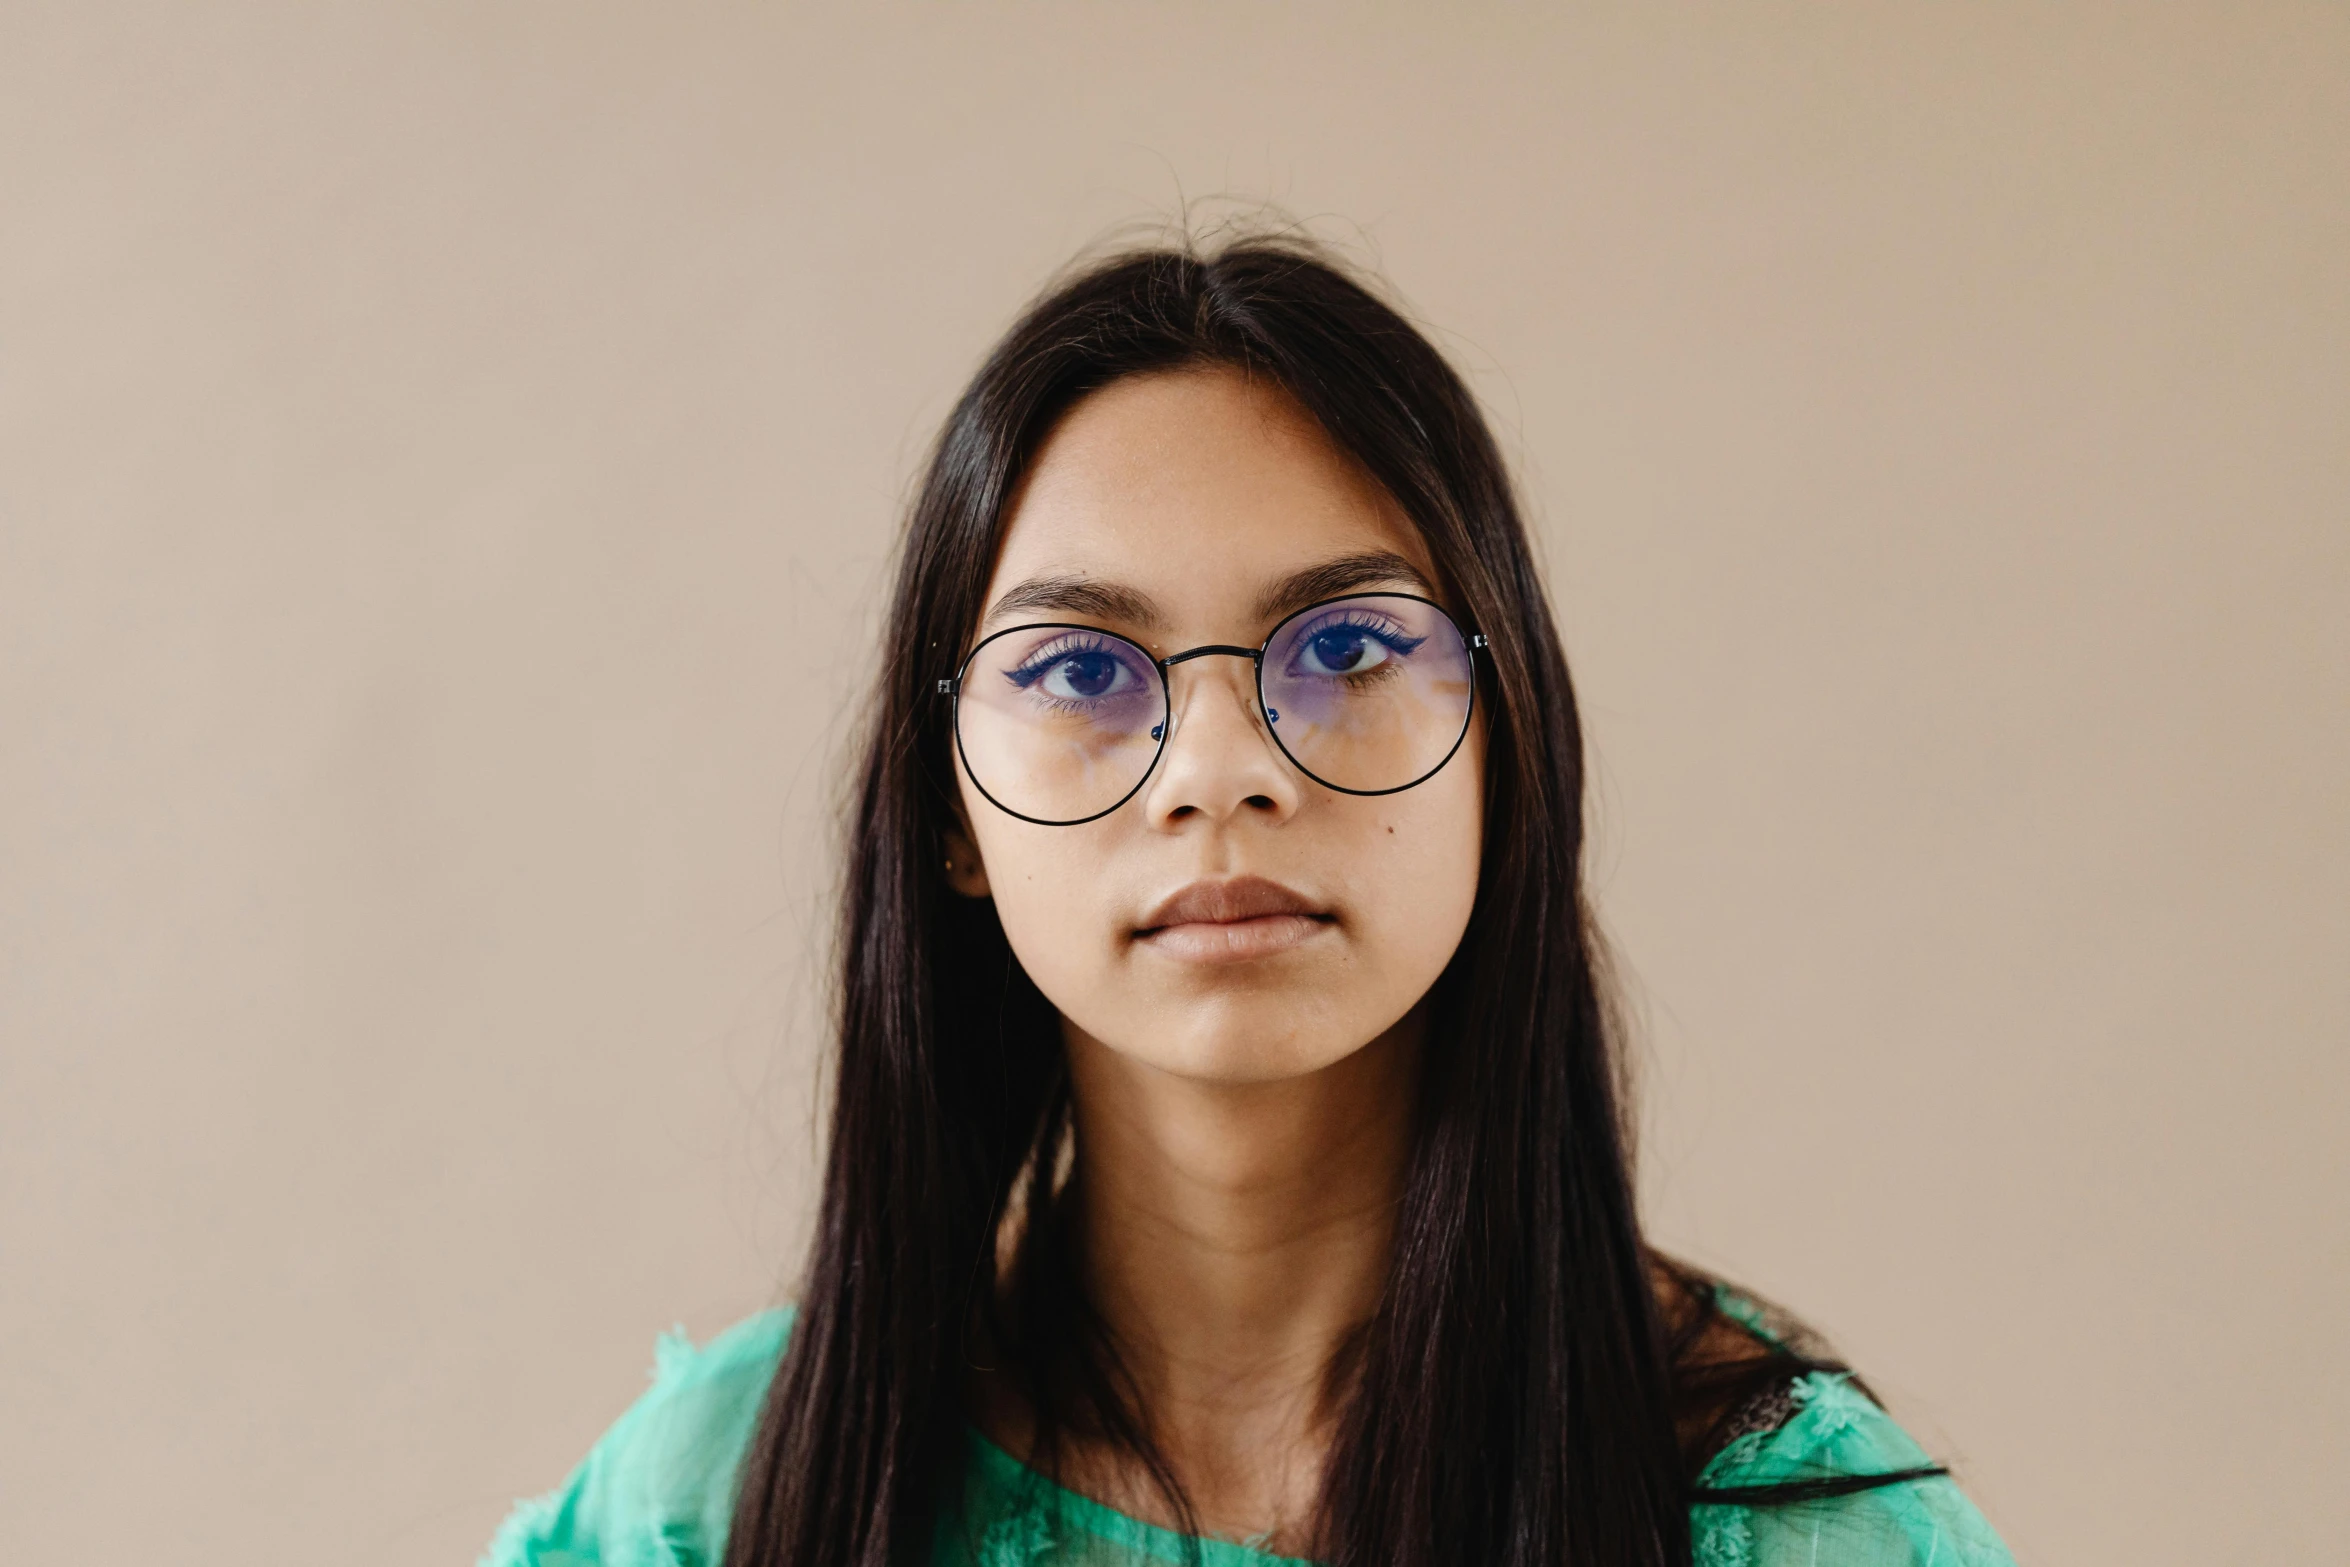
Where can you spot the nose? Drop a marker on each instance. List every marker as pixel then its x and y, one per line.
pixel 1220 763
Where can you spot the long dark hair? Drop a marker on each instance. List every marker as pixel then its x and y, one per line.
pixel 1517 1397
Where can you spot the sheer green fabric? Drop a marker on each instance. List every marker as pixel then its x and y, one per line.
pixel 658 1489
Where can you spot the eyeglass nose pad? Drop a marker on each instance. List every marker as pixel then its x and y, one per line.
pixel 1272 714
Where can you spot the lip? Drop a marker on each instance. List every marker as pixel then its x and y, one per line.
pixel 1231 921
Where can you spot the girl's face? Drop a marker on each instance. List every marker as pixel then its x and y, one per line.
pixel 1197 507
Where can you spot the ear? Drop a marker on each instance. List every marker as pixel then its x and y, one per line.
pixel 966 871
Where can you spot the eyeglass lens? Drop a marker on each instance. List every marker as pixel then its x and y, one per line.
pixel 1368 694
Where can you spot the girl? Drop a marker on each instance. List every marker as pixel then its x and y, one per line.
pixel 1227 1160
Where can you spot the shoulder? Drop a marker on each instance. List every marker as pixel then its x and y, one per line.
pixel 657 1490
pixel 1780 1493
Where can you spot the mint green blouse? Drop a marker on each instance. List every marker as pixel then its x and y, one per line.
pixel 658 1489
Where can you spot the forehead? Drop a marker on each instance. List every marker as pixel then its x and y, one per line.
pixel 1196 488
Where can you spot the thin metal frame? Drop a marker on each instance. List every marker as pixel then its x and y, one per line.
pixel 953 687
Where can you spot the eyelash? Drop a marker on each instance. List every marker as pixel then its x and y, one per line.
pixel 1386 630
pixel 1033 668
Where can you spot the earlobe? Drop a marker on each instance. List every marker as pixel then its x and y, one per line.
pixel 965 871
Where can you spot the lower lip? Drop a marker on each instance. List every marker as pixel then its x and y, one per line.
pixel 1233 941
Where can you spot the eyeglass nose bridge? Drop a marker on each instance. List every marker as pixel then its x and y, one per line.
pixel 1255 656
pixel 1212 649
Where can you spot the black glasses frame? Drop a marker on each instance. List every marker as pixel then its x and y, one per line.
pixel 953 687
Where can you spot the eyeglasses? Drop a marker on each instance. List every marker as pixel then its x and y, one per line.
pixel 1366 694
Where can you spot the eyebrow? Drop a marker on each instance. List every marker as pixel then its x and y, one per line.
pixel 1073 593
pixel 1371 568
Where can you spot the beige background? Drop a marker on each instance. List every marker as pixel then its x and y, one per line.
pixel 448 456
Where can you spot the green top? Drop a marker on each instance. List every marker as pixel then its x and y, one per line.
pixel 658 1489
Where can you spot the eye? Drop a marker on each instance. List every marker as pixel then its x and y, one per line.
pixel 1077 672
pixel 1086 676
pixel 1341 650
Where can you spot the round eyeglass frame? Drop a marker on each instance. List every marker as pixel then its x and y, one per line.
pixel 1473 642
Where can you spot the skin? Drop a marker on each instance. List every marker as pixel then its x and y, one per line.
pixel 1243 1096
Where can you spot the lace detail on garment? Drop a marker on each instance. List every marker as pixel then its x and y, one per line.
pixel 1818 1426
pixel 1723 1537
pixel 1762 1414
pixel 1725 1540
pixel 1022 1537
pixel 1836 1405
pixel 1755 1421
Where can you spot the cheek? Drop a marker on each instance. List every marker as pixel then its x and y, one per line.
pixel 1420 875
pixel 1052 895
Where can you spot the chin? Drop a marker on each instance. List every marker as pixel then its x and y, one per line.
pixel 1240 1050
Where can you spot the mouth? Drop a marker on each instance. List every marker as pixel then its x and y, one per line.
pixel 1232 921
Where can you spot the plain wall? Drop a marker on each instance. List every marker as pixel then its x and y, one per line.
pixel 449 459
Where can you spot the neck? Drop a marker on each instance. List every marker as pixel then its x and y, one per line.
pixel 1234 1236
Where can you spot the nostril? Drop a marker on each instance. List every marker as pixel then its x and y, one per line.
pixel 1263 802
